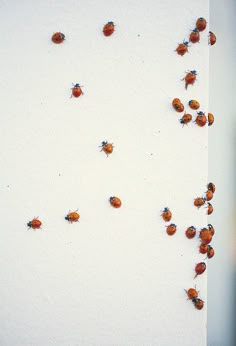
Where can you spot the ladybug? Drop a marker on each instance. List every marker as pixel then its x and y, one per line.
pixel 166 214
pixel 171 229
pixel 58 37
pixel 205 236
pixel 108 29
pixel 211 119
pixel 194 37
pixel 201 24
pixel 186 118
pixel 203 248
pixel 192 293
pixel 182 48
pixel 212 38
pixel 190 232
pixel 72 216
pixel 199 201
pixel 190 78
pixel 201 119
pixel 200 268
pixel 209 208
pixel 176 102
pixel 198 303
pixel 210 251
pixel 115 202
pixel 35 223
pixel 211 229
pixel 211 187
pixel 194 104
pixel 76 90
pixel 107 147
pixel 179 108
pixel 209 195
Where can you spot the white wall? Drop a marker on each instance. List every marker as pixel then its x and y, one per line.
pixel 115 278
pixel 221 272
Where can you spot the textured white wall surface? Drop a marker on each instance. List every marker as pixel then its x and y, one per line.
pixel 115 278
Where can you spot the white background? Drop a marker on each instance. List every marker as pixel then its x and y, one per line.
pixel 115 278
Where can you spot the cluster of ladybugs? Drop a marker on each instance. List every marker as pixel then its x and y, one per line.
pixel 194 37
pixel 200 119
pixel 205 235
pixel 192 294
pixel 59 37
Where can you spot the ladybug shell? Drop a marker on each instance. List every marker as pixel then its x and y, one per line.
pixel 198 202
pixel 194 37
pixel 209 195
pixel 176 102
pixel 179 108
pixel 203 248
pixel 211 119
pixel 190 232
pixel 211 229
pixel 210 251
pixel 200 268
pixel 192 293
pixel 115 202
pixel 76 91
pixel 186 118
pixel 201 120
pixel 166 214
pixel 108 29
pixel 211 187
pixel 209 209
pixel 107 148
pixel 182 48
pixel 198 303
pixel 189 79
pixel 171 229
pixel 58 37
pixel 194 104
pixel 35 223
pixel 212 38
pixel 73 217
pixel 201 24
pixel 205 236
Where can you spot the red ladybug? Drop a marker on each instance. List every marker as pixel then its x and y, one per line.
pixel 166 214
pixel 194 37
pixel 76 90
pixel 201 119
pixel 72 216
pixel 211 187
pixel 34 224
pixel 209 195
pixel 107 147
pixel 176 102
pixel 190 78
pixel 203 248
pixel 186 118
pixel 171 229
pixel 209 208
pixel 58 37
pixel 201 24
pixel 194 104
pixel 200 268
pixel 115 202
pixel 192 293
pixel 210 252
pixel 190 232
pixel 108 29
pixel 210 118
pixel 198 303
pixel 205 236
pixel 182 48
pixel 212 38
pixel 199 201
pixel 211 229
